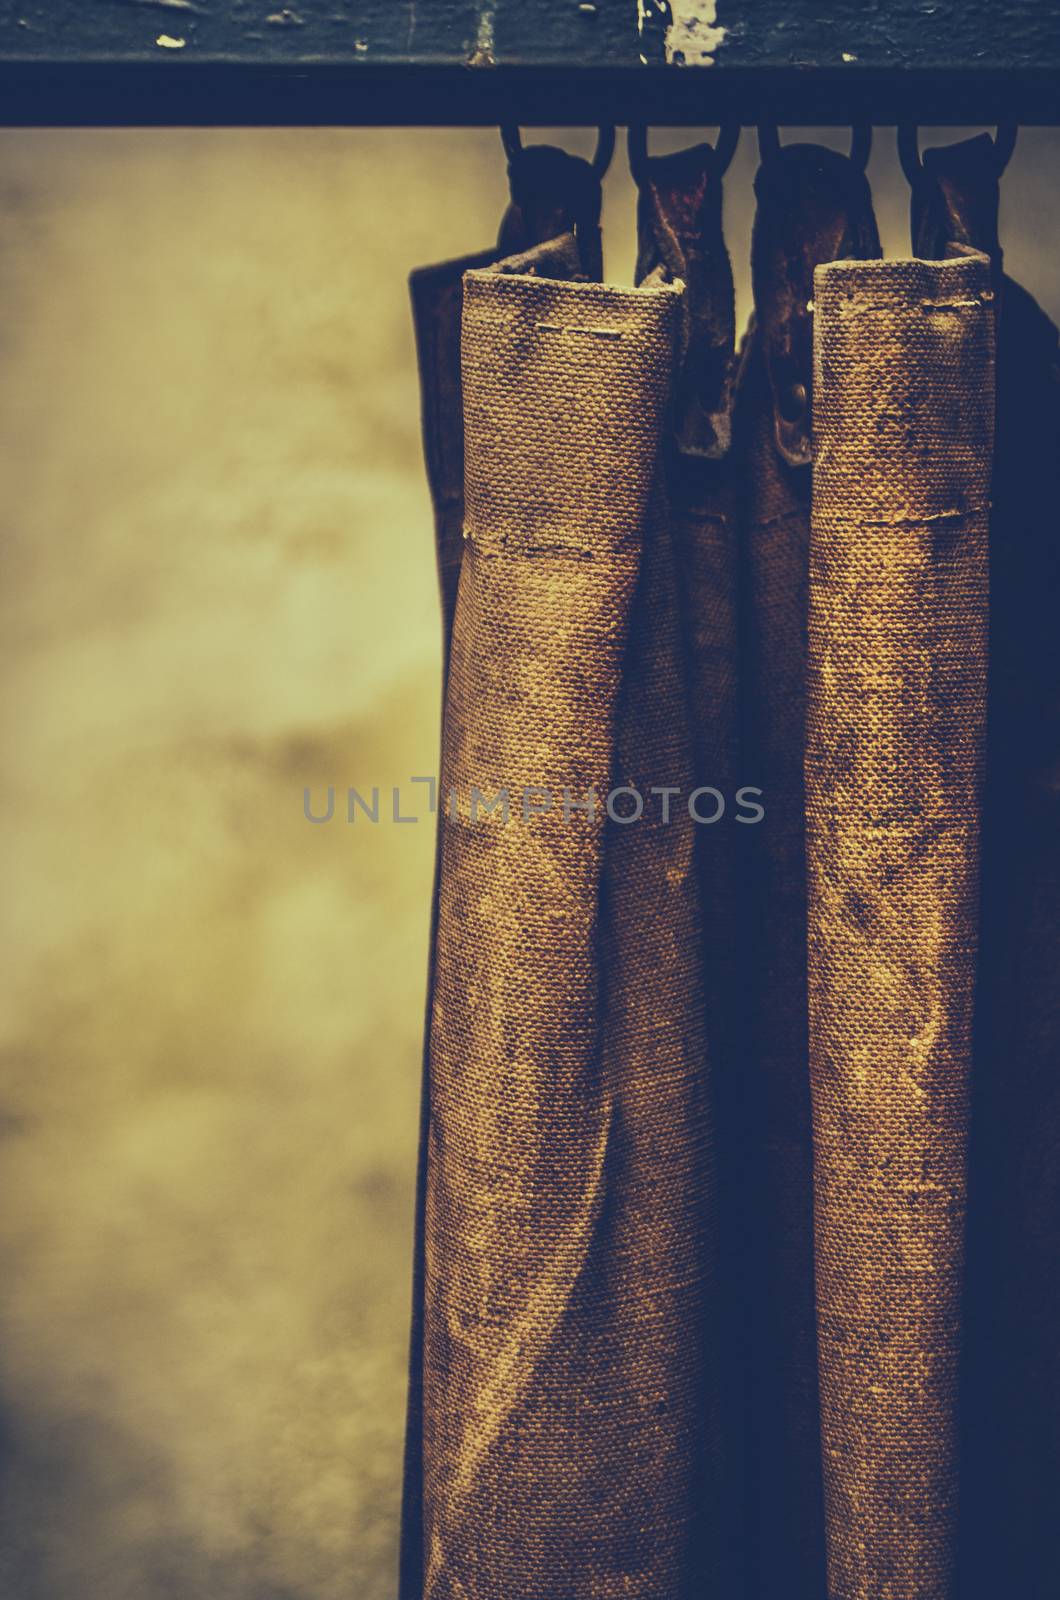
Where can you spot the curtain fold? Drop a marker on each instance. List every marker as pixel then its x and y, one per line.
pixel 813 205
pixel 738 1210
pixel 895 737
pixel 552 193
pixel 1010 1465
pixel 568 1264
pixel 680 237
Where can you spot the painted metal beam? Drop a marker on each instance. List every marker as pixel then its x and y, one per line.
pixel 453 61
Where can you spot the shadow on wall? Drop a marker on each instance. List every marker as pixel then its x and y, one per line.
pixel 219 589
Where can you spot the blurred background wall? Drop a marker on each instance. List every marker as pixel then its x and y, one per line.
pixel 218 588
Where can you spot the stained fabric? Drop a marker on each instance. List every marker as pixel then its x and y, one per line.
pixel 813 206
pixel 1010 1400
pixel 895 740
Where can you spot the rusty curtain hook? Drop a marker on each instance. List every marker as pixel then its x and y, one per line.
pixel 512 139
pixel 860 143
pixel 1005 137
pixel 637 142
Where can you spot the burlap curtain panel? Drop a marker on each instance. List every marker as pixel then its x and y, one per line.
pixel 568 1310
pixel 1010 1403
pixel 895 738
pixel 737 1215
pixel 812 206
pixel 553 194
pixel 680 238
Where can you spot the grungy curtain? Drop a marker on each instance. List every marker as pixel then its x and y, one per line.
pixel 813 205
pixel 737 1239
pixel 1010 1410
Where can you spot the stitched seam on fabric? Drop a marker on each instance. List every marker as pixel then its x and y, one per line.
pixel 911 519
pixel 957 305
pixel 595 333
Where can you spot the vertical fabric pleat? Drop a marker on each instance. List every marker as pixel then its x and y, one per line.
pixel 739 1207
pixel 680 237
pixel 437 294
pixel 552 193
pixel 566 1375
pixel 1010 1465
pixel 667 1532
pixel 895 734
pixel 813 205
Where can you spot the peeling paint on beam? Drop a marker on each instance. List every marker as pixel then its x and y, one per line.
pixel 406 61
pixel 735 35
pixel 686 31
pixel 482 55
pixel 694 36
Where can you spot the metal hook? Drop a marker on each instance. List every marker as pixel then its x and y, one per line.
pixel 860 143
pixel 724 150
pixel 512 139
pixel 1005 137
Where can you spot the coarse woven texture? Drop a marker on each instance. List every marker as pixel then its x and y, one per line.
pixel 437 294
pixel 785 1508
pixel 679 224
pixel 895 731
pixel 680 234
pixel 665 1498
pixel 553 194
pixel 557 1451
pixel 1010 1402
pixel 813 205
pixel 1012 1381
pixel 553 186
pixel 437 302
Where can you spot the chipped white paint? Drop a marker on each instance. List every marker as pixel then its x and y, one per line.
pixel 848 57
pixel 693 33
pixel 641 18
pixel 484 38
pixel 166 41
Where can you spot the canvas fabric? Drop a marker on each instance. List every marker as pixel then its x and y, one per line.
pixel 568 1283
pixel 896 705
pixel 739 1208
pixel 813 205
pixel 1010 1399
pixel 680 238
pixel 552 194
